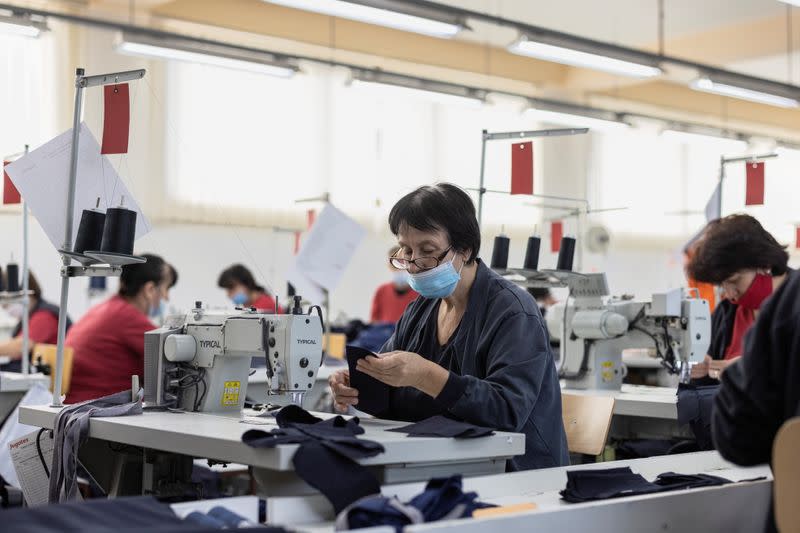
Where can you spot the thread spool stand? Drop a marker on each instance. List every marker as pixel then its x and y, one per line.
pixel 68 271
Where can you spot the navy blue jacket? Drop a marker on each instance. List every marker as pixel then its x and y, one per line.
pixel 502 373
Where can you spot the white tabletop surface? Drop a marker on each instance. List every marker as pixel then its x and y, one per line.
pixel 17 382
pixel 219 437
pixel 639 400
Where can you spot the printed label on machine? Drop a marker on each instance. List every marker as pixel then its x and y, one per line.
pixel 230 393
pixel 607 370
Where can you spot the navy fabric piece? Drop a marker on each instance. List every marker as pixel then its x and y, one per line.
pixel 694 408
pixel 327 454
pixel 370 391
pixel 230 519
pixel 591 485
pixel 441 426
pixel 138 513
pixel 204 520
pixel 442 499
pixel 502 372
pixel 640 448
pixel 373 336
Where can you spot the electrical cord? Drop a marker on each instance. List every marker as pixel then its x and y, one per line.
pixel 319 312
pixel 39 450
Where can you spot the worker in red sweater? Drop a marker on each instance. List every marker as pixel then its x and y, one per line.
pixel 392 298
pixel 108 342
pixel 42 325
pixel 243 291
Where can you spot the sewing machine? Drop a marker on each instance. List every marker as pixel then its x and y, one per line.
pixel 201 361
pixel 594 330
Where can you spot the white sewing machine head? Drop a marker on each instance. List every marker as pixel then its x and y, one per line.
pixel 201 361
pixel 598 329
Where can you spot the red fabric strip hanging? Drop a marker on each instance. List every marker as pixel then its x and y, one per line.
pixel 556 233
pixel 10 193
pixel 116 119
pixel 522 168
pixel 797 238
pixel 754 193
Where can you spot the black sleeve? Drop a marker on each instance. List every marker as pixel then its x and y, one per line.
pixel 749 408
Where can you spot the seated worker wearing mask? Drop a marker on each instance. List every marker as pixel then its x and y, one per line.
pixel 108 341
pixel 42 325
pixel 392 298
pixel 243 290
pixel 739 255
pixel 760 391
pixel 473 346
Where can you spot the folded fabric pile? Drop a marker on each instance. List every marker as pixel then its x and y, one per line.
pixel 441 426
pixel 591 485
pixel 443 499
pixel 221 518
pixel 328 452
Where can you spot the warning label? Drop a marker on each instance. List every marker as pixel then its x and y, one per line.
pixel 230 393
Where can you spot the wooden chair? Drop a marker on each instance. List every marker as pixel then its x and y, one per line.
pixel 47 353
pixel 587 420
pixel 786 473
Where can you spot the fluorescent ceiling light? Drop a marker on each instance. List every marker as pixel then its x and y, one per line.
pixel 21 26
pixel 696 137
pixel 389 13
pixel 400 86
pixel 207 54
pixel 573 120
pixel 584 59
pixel 791 2
pixel 706 84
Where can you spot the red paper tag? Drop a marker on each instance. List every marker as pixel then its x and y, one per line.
pixel 296 242
pixel 522 168
pixel 117 119
pixel 311 216
pixel 10 193
pixel 797 239
pixel 556 233
pixel 754 194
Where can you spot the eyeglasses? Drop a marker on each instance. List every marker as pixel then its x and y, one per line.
pixel 422 263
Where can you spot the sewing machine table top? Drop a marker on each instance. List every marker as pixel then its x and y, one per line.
pixel 17 382
pixel 639 400
pixel 219 437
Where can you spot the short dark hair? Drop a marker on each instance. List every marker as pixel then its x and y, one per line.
pixel 445 207
pixel 238 274
pixel 135 276
pixel 734 243
pixel 173 272
pixel 539 293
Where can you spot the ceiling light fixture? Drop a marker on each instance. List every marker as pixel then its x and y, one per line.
pixel 570 52
pixel 400 85
pixel 575 116
pixel 389 13
pixel 697 134
pixel 791 2
pixel 217 55
pixel 22 26
pixel 776 94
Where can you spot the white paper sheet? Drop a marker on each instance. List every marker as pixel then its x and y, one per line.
pixel 304 286
pixel 12 430
pixel 28 465
pixel 329 247
pixel 42 178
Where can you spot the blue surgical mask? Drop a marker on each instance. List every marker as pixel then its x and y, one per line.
pixel 439 282
pixel 240 298
pixel 158 310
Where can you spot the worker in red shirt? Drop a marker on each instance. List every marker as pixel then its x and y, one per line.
pixel 42 325
pixel 108 342
pixel 243 290
pixel 392 298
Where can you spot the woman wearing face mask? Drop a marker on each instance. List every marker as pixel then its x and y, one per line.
pixel 243 290
pixel 473 346
pixel 737 254
pixel 108 341
pixel 42 325
pixel 392 298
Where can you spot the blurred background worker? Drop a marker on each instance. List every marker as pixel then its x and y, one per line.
pixel 108 340
pixel 243 290
pixel 392 298
pixel 42 325
pixel 544 298
pixel 740 256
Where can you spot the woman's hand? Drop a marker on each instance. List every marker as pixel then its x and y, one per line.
pixel 700 370
pixel 717 367
pixel 343 394
pixel 405 369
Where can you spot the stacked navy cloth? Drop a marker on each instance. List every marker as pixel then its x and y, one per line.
pixel 443 499
pixel 442 426
pixel 221 518
pixel 591 485
pixel 328 452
